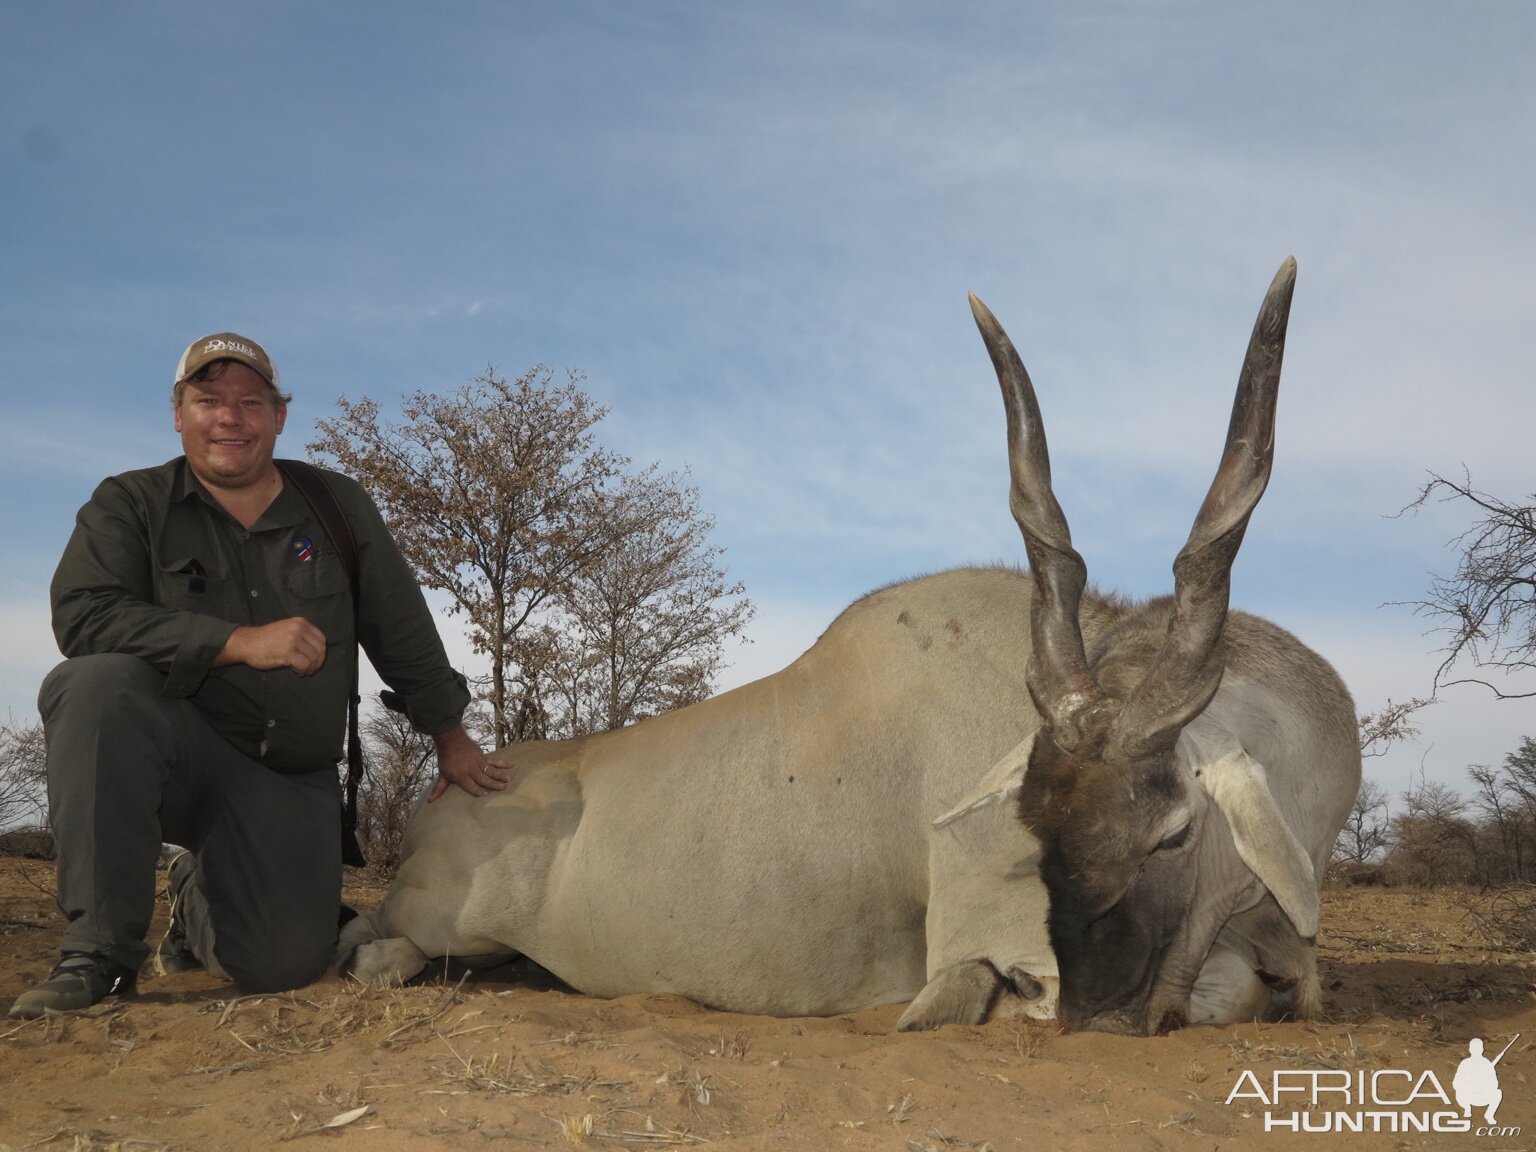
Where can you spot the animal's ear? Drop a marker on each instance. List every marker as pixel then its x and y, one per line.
pixel 1236 783
pixel 1002 782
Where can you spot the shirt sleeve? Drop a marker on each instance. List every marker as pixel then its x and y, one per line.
pixel 395 626
pixel 103 596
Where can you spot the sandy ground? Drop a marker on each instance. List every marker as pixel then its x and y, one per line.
pixel 1410 978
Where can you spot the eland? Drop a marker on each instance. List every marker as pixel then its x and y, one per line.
pixel 986 792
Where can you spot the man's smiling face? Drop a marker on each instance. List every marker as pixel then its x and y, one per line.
pixel 229 427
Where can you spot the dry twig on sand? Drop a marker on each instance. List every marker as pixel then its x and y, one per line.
pixel 1505 918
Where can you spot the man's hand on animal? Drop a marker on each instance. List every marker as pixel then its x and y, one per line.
pixel 292 643
pixel 461 761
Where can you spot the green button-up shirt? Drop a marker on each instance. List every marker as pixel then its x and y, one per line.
pixel 158 570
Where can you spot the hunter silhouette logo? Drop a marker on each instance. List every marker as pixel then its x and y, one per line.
pixel 1378 1100
pixel 1477 1081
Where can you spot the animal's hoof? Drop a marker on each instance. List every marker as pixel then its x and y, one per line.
pixel 1172 1021
pixel 1024 983
pixel 392 961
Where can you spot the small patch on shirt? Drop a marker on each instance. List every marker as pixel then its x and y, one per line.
pixel 303 547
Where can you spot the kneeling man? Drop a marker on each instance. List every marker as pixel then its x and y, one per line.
pixel 210 633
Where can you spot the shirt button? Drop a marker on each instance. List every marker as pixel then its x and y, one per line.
pixel 271 723
pixel 253 592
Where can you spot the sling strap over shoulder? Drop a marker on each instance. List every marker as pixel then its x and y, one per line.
pixel 312 485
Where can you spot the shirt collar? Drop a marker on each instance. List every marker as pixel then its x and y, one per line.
pixel 287 510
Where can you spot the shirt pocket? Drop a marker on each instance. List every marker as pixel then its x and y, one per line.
pixel 186 584
pixel 322 593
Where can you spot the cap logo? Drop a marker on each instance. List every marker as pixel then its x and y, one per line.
pixel 232 346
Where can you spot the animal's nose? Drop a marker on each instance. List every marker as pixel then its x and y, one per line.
pixel 1117 1023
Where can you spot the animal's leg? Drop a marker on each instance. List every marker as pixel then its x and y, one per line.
pixel 394 961
pixel 1285 961
pixel 1297 991
pixel 1227 990
pixel 1170 1005
pixel 357 931
pixel 417 925
pixel 973 992
pixel 362 952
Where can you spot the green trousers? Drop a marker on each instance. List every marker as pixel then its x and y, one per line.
pixel 128 770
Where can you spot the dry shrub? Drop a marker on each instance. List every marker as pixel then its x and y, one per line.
pixel 35 843
pixel 1353 873
pixel 1505 918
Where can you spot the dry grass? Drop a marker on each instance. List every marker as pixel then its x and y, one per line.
pixel 1030 1037
pixel 734 1048
pixel 583 1128
pixel 577 1129
pixel 495 1074
pixel 91 1140
pixel 1328 1052
pixel 287 1024
pixel 938 1142
pixel 1505 919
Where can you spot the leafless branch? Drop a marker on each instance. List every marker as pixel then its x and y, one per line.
pixel 1488 605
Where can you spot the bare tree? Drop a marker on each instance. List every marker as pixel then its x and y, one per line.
pixel 23 774
pixel 491 493
pixel 1502 824
pixel 401 763
pixel 1489 604
pixel 1506 798
pixel 643 627
pixel 1365 834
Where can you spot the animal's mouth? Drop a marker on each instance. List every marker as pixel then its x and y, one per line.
pixel 1120 1022
pixel 1129 1022
pixel 1116 1023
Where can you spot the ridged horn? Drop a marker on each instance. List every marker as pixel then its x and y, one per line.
pixel 1058 677
pixel 1187 670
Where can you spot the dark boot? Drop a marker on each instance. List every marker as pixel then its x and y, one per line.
pixel 80 980
pixel 174 953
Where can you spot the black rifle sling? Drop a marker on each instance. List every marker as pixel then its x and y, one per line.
pixel 311 483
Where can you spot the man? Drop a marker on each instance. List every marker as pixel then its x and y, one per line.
pixel 208 626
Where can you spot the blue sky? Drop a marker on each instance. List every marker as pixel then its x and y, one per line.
pixel 753 228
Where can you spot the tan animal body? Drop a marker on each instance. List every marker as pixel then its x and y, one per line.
pixel 859 828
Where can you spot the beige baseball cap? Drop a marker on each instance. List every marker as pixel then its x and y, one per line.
pixel 227 346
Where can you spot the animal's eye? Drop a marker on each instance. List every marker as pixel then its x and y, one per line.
pixel 1169 843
